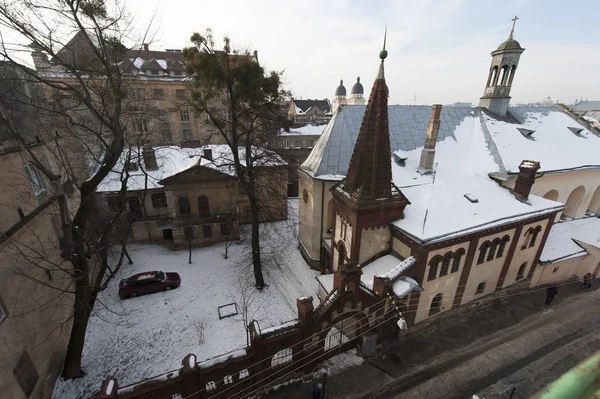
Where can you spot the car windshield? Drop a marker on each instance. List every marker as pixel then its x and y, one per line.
pixel 161 276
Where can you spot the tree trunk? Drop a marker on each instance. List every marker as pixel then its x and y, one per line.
pixel 82 311
pixel 256 261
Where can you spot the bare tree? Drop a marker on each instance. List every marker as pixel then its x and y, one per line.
pixel 246 298
pixel 86 88
pixel 243 102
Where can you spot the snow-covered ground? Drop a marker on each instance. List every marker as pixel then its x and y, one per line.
pixel 139 338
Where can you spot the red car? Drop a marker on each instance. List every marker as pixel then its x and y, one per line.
pixel 147 283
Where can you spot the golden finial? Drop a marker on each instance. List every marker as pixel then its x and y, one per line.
pixel 383 53
pixel 510 37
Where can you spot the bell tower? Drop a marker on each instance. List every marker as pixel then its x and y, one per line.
pixel 505 60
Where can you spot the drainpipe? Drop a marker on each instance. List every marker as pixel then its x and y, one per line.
pixel 581 382
pixel 321 265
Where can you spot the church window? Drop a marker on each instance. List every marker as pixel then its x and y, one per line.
pixel 445 264
pixel 504 75
pixel 184 206
pixel 433 267
pixel 512 74
pixel 502 246
pixel 521 271
pixel 493 76
pixel 457 257
pixel 341 253
pixel 480 288
pixel 493 249
pixel 436 305
pixel 534 235
pixel 482 251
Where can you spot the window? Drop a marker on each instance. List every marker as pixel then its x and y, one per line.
pixel 3 312
pixel 224 229
pixel 305 196
pixel 247 213
pixel 159 200
pixel 184 206
pixel 227 380
pixel 154 72
pixel 297 162
pixel 135 206
pixel 206 117
pixel 534 236
pixel 436 304
pixel 555 270
pixel 286 143
pixel 203 207
pixel 180 94
pixel 457 257
pixel 341 253
pixel 141 126
pixel 480 288
pixel 344 230
pixel 135 93
pixel 26 374
pixel 493 248
pixel 433 267
pixel 207 231
pixel 502 246
pixel 446 264
pixel 521 271
pixel 187 134
pixel 211 386
pixel 33 175
pixel 482 251
pixel 166 136
pixel 159 94
pixel 184 115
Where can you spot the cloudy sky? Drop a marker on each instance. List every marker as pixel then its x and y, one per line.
pixel 439 50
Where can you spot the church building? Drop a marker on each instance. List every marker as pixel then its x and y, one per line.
pixel 438 206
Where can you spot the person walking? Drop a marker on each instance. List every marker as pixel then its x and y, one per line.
pixel 587 280
pixel 317 391
pixel 550 292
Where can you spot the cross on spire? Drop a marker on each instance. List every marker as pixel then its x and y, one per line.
pixel 513 27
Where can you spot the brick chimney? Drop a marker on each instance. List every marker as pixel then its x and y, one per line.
pixel 208 154
pixel 40 59
pixel 305 307
pixel 526 178
pixel 149 159
pixel 428 151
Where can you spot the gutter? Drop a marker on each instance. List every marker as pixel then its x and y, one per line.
pixel 321 263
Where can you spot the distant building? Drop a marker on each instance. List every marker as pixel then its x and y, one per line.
pixel 356 95
pixel 588 110
pixel 182 194
pixel 317 112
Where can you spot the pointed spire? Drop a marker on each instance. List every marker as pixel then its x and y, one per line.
pixel 370 172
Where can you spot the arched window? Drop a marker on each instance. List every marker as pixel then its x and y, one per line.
pixel 503 75
pixel 436 305
pixel 203 207
pixel 512 74
pixel 521 271
pixel 534 235
pixel 482 251
pixel 341 253
pixel 493 76
pixel 480 288
pixel 446 264
pixel 502 246
pixel 493 248
pixel 457 257
pixel 184 205
pixel 433 267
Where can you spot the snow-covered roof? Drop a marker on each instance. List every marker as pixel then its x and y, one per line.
pixel 553 144
pixel 304 130
pixel 386 266
pixel 172 160
pixel 561 243
pixel 439 208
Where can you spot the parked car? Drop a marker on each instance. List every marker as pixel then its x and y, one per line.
pixel 147 283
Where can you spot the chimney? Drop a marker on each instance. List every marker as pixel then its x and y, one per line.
pixel 305 307
pixel 149 159
pixel 40 60
pixel 146 47
pixel 428 152
pixel 526 178
pixel 208 154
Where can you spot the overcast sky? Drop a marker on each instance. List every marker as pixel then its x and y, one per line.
pixel 438 49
